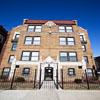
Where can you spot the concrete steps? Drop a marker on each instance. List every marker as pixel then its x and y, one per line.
pixel 48 85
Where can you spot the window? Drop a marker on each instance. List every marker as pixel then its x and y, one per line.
pixel 66 41
pixel 11 59
pixel 83 48
pixel 71 71
pixel 80 67
pixel 89 72
pixel 34 28
pixel 68 28
pixel 14 47
pixel 86 59
pixel 32 40
pixel 28 40
pixel 63 56
pixel 35 56
pixel 82 37
pixel 72 56
pixel 5 72
pixel 26 56
pixel 36 41
pixel 62 41
pixel 68 56
pixel 65 29
pixel 71 41
pixel 17 36
pixel 26 71
pixel 30 56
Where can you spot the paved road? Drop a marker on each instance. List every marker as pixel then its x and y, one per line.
pixel 50 94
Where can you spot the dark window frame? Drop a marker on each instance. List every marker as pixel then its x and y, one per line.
pixel 29 55
pixel 71 71
pixel 65 28
pixel 24 73
pixel 34 28
pixel 68 57
pixel 82 39
pixel 32 42
pixel 6 72
pixel 67 41
pixel 84 50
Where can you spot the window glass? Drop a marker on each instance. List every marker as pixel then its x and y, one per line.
pixel 86 59
pixel 5 72
pixel 36 41
pixel 14 46
pixel 68 29
pixel 62 41
pixel 17 36
pixel 38 29
pixel 70 41
pixel 25 56
pixel 61 29
pixel 30 28
pixel 72 57
pixel 11 58
pixel 35 56
pixel 28 40
pixel 89 72
pixel 83 48
pixel 82 37
pixel 63 56
pixel 26 70
pixel 71 71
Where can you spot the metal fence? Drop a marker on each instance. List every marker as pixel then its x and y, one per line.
pixel 79 80
pixel 19 80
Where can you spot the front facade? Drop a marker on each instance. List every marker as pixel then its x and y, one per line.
pixel 47 45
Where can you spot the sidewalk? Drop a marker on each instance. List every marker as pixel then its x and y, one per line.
pixel 49 94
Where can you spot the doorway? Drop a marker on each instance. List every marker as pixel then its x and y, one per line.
pixel 48 76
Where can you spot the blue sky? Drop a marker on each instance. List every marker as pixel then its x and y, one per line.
pixel 87 12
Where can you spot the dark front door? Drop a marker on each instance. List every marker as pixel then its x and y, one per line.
pixel 48 73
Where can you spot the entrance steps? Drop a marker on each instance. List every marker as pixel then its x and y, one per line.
pixel 48 85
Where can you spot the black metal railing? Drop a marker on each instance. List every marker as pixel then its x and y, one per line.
pixel 79 80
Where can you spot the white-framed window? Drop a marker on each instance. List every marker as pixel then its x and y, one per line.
pixel 17 36
pixel 6 71
pixel 68 56
pixel 83 48
pixel 30 56
pixel 65 29
pixel 66 41
pixel 34 28
pixel 29 40
pixel 71 71
pixel 11 58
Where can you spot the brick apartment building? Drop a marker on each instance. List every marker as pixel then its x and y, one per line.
pixel 48 45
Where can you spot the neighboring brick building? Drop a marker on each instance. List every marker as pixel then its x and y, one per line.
pixel 49 45
pixel 97 62
pixel 3 38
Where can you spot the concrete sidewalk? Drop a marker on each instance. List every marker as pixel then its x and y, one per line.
pixel 50 94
